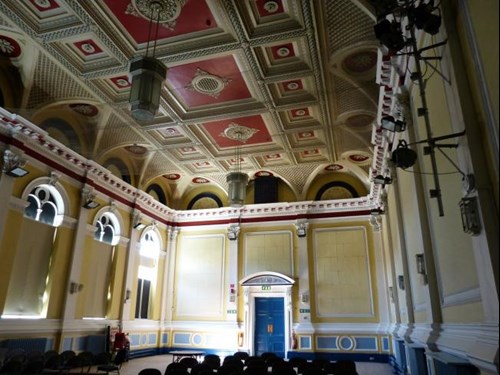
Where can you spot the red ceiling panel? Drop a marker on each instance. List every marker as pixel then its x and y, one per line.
pixel 179 79
pixel 194 17
pixel 216 131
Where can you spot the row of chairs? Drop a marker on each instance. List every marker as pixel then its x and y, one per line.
pixel 240 363
pixel 19 362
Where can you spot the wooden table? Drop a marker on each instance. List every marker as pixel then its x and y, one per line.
pixel 177 355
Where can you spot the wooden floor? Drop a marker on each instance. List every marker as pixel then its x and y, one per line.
pixel 160 362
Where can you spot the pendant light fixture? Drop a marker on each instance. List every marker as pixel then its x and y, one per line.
pixel 148 75
pixel 236 179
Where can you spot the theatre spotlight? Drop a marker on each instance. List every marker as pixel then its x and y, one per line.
pixel 403 157
pixel 423 18
pixel 381 180
pixel 13 165
pixel 390 35
pixel 389 123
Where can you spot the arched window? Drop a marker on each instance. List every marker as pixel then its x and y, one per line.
pixel 146 278
pixel 45 205
pixel 28 295
pixel 107 229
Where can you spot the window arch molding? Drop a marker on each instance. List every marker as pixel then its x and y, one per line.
pixel 57 191
pixel 154 229
pixel 114 219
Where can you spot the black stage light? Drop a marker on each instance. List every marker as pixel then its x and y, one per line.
pixel 393 125
pixel 424 19
pixel 403 157
pixel 389 34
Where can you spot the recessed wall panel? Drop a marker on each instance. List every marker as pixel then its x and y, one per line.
pixel 342 275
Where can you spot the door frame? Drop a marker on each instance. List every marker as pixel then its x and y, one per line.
pixel 265 285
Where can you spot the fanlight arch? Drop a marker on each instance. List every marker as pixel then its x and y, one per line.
pixel 46 205
pixel 108 228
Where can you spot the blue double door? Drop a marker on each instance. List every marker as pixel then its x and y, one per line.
pixel 269 333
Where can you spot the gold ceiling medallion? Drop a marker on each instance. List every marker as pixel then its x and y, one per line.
pixel 238 132
pixel 208 84
pixel 170 10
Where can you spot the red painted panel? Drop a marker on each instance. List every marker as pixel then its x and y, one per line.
pixel 216 128
pixel 179 78
pixel 44 5
pixel 195 17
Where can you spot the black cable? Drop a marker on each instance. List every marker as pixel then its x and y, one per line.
pixel 431 174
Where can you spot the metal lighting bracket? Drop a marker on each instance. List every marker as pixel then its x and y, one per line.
pixel 468 180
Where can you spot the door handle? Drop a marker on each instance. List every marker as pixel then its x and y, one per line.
pixel 270 328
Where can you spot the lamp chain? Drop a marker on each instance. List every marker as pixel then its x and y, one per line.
pixel 155 5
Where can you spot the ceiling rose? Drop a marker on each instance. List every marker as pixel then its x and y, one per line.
pixel 170 10
pixel 208 84
pixel 238 132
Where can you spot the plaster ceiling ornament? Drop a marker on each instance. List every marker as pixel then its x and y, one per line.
pixel 359 158
pixel 263 174
pixel 84 109
pixel 292 85
pixel 170 10
pixel 172 176
pixel 238 132
pixel 208 84
pixel 283 52
pixel 43 3
pixel 121 81
pixel 136 149
pixel 300 112
pixel 271 6
pixel 200 180
pixel 9 47
pixel 360 62
pixel 334 167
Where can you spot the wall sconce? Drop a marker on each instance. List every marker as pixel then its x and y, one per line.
pixel 376 211
pixel 401 282
pixel 13 165
pixel 88 198
pixel 139 225
pixel 471 223
pixel 75 287
pixel 232 232
pixel 392 125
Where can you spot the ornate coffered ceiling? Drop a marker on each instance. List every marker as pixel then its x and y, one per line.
pixel 297 75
